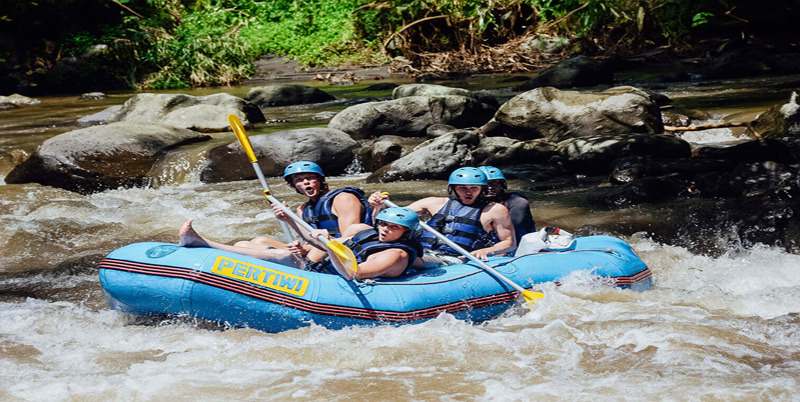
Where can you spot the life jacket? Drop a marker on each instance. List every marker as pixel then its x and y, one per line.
pixel 508 196
pixel 461 224
pixel 320 214
pixel 527 225
pixel 366 243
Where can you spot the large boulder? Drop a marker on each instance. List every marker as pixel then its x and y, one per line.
pixel 104 157
pixel 503 151
pixel 558 115
pixel 287 94
pixel 403 91
pixel 431 160
pixel 748 62
pixel 385 150
pixel 578 71
pixel 766 178
pixel 634 167
pixel 102 117
pixel 331 149
pixel 777 150
pixel 198 113
pixel 594 154
pixel 644 190
pixel 18 100
pixel 411 116
pixel 779 121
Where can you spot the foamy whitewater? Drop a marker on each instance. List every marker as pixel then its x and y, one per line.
pixel 714 328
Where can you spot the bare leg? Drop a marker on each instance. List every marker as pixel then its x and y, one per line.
pixel 190 238
pixel 261 242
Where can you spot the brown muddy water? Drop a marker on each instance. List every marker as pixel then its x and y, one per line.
pixel 722 326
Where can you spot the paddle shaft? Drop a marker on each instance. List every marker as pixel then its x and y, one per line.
pixel 244 141
pixel 296 218
pixel 471 257
pixel 343 254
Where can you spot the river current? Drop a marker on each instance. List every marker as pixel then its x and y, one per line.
pixel 717 326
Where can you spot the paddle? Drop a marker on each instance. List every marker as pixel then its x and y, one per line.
pixel 344 254
pixel 530 297
pixel 241 135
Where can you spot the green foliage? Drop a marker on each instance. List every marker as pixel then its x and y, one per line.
pixel 614 22
pixel 701 19
pixel 648 22
pixel 203 50
pixel 163 44
pixel 316 32
pixel 178 43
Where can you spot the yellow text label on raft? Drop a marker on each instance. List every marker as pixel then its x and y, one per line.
pixel 259 275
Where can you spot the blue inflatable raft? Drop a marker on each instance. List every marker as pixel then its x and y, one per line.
pixel 161 278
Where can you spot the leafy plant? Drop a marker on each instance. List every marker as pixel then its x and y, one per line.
pixel 164 44
pixel 701 19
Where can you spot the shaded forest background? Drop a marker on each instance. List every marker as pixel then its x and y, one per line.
pixel 58 46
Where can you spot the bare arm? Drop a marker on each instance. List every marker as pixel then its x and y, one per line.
pixel 389 263
pixel 497 219
pixel 348 209
pixel 429 205
pixel 281 215
pixel 376 202
pixel 318 252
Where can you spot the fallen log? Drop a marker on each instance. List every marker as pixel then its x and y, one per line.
pixel 706 127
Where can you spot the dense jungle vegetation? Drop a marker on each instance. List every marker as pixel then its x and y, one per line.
pixel 161 44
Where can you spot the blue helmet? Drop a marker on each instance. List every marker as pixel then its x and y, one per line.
pixel 301 167
pixel 399 216
pixel 492 173
pixel 468 176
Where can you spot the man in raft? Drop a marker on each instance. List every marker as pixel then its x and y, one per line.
pixel 517 204
pixel 332 210
pixel 466 217
pixel 385 250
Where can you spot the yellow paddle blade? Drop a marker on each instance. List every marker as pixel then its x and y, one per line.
pixel 241 135
pixel 344 254
pixel 531 297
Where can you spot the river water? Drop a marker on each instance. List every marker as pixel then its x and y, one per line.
pixel 721 326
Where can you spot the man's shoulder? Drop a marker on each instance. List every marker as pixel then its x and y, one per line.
pixel 495 209
pixel 516 199
pixel 346 195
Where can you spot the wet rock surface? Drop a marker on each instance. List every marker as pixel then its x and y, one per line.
pixel 103 157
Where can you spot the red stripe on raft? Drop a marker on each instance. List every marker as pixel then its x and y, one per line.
pixel 302 304
pixel 328 309
pixel 641 276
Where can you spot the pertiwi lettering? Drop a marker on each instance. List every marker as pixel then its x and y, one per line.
pixel 259 275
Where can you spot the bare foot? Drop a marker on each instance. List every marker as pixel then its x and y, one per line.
pixel 190 238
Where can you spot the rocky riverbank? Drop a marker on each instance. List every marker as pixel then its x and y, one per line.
pixel 539 133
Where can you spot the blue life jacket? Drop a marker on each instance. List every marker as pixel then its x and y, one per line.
pixel 320 214
pixel 364 244
pixel 461 224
